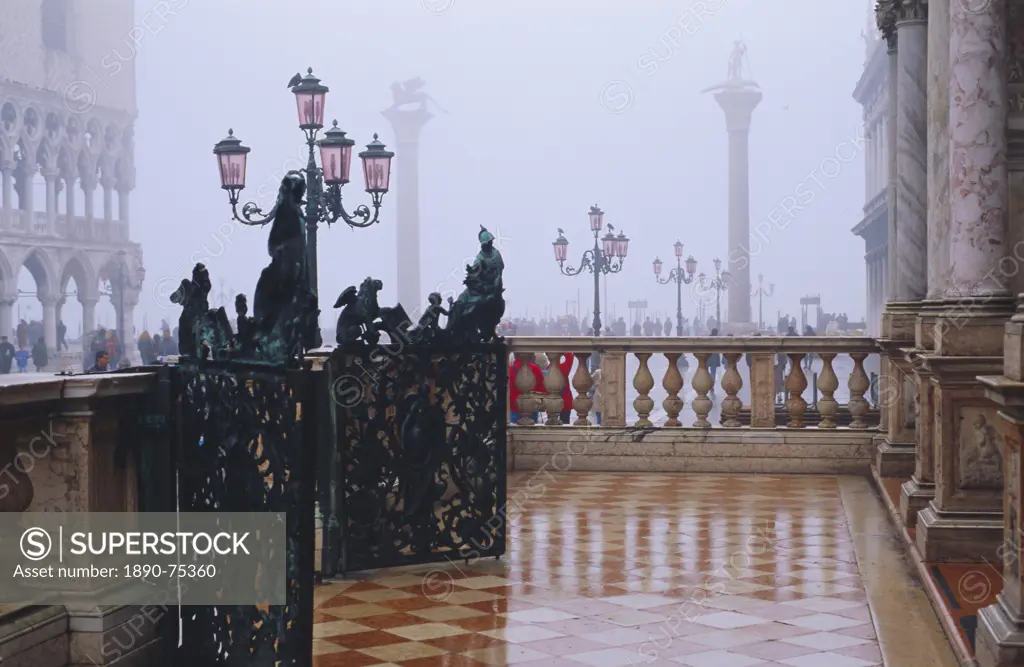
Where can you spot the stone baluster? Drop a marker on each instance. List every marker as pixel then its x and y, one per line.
pixel 796 383
pixel 827 385
pixel 858 383
pixel 582 382
pixel 732 382
pixel 526 403
pixel 643 382
pixel 554 384
pixel 762 389
pixel 702 384
pixel 673 384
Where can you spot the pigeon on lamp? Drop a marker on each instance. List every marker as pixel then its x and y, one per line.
pixel 560 232
pixel 296 80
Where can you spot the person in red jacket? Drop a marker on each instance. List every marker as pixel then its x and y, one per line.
pixel 513 393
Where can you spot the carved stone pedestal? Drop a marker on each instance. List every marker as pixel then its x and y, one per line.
pixel 895 455
pixel 964 522
pixel 916 494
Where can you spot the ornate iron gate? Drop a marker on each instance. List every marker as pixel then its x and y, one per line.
pixel 421 453
pixel 243 446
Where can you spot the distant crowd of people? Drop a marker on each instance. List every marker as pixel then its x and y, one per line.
pixel 569 325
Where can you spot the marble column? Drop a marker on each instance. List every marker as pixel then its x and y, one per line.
pixel 26 193
pixel 887 26
pixel 88 314
pixel 869 160
pixel 911 150
pixel 49 303
pixel 88 184
pixel 69 198
pixel 51 176
pixel 108 199
pixel 919 491
pixel 964 521
pixel 7 189
pixel 408 124
pixel 7 315
pixel 738 102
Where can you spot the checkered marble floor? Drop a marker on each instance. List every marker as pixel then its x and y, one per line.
pixel 617 569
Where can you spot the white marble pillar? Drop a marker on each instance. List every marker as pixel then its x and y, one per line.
pixel 49 321
pixel 408 125
pixel 69 198
pixel 108 199
pixel 892 264
pixel 88 313
pixel 7 188
pixel 7 315
pixel 88 184
pixel 122 206
pixel 911 151
pixel 869 159
pixel 26 198
pixel 978 102
pixel 51 176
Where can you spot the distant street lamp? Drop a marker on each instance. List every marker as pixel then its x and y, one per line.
pixel 679 278
pixel 323 185
pixel 719 284
pixel 604 258
pixel 760 293
pixel 116 284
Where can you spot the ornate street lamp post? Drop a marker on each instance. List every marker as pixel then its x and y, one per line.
pixel 323 184
pixel 760 293
pixel 680 278
pixel 604 258
pixel 116 285
pixel 719 284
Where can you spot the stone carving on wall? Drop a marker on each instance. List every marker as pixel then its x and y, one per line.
pixel 981 459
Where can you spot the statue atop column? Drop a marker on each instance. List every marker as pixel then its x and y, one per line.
pixel 409 93
pixel 739 52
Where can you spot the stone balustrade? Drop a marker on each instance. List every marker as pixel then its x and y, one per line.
pixel 697 416
pixel 78 229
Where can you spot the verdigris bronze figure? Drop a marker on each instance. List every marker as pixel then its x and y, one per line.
pixel 477 312
pixel 202 331
pixel 429 328
pixel 360 310
pixel 285 308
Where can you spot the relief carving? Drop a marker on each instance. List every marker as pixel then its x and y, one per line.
pixel 981 459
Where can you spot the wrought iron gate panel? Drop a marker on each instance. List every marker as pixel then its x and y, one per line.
pixel 243 431
pixel 422 453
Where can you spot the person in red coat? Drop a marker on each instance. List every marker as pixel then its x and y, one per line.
pixel 513 393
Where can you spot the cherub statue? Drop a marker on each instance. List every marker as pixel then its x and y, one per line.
pixel 429 327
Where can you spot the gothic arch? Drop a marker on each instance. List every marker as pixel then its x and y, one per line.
pixel 41 266
pixel 79 267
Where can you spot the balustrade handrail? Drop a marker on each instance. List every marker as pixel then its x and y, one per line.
pixel 795 344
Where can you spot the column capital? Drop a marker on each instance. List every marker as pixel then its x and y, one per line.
pixel 911 10
pixel 8 165
pixel 50 173
pixel 885 18
pixel 8 299
pixel 49 301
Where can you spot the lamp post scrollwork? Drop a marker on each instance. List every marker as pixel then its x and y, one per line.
pixel 719 284
pixel 607 256
pixel 679 277
pixel 323 183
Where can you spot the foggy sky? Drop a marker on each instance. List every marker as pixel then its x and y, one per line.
pixel 528 145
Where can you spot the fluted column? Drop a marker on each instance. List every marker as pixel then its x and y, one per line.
pixel 887 26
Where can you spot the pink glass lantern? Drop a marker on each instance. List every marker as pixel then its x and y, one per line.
pixel 596 218
pixel 657 266
pixel 561 246
pixel 231 157
pixel 376 166
pixel 336 155
pixel 691 265
pixel 678 245
pixel 621 245
pixel 608 245
pixel 310 96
